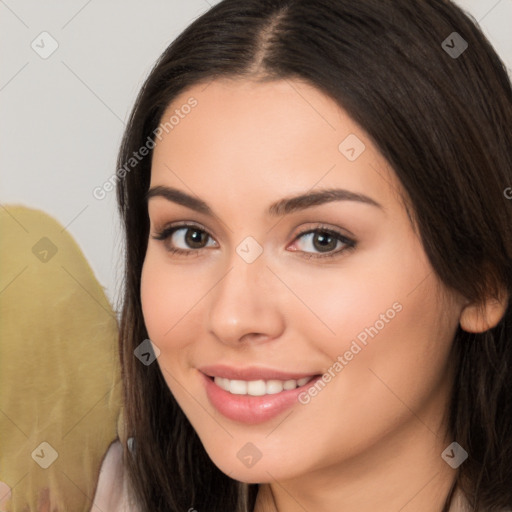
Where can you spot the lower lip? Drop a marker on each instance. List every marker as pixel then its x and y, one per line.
pixel 252 409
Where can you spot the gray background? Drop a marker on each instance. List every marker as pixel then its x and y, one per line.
pixel 62 117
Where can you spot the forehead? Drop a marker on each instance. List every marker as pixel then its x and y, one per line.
pixel 283 136
pixel 250 115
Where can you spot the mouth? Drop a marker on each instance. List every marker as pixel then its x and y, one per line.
pixel 260 387
pixel 254 395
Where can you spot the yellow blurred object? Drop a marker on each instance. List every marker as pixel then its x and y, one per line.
pixel 60 381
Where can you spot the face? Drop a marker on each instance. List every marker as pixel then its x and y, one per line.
pixel 315 323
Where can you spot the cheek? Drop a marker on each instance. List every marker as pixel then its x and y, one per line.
pixel 400 364
pixel 360 296
pixel 166 297
pixel 153 298
pixel 390 324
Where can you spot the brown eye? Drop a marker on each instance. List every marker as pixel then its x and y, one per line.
pixel 324 243
pixel 184 239
pixel 195 238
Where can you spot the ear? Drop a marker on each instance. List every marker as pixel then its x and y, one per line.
pixel 480 317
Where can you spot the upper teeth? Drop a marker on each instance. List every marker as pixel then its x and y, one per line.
pixel 259 387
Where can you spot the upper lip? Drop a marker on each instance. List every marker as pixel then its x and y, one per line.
pixel 251 373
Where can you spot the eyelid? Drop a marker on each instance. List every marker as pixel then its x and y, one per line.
pixel 180 224
pixel 323 226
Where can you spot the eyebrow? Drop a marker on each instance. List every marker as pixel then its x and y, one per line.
pixel 282 207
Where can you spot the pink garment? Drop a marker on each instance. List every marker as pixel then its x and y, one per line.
pixel 112 490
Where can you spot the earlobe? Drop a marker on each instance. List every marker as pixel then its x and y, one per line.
pixel 480 317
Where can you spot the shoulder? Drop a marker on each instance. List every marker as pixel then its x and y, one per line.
pixel 111 492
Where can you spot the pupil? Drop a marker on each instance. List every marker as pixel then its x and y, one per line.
pixel 195 237
pixel 324 237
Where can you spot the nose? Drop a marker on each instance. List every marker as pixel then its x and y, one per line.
pixel 245 304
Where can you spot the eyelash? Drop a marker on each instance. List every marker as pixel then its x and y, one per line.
pixel 349 243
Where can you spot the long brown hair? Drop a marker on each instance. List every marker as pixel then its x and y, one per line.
pixel 444 123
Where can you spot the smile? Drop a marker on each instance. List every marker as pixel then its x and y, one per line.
pixel 259 387
pixel 253 395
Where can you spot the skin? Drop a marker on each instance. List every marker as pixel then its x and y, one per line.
pixel 372 439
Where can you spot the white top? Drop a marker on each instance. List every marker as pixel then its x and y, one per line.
pixel 111 492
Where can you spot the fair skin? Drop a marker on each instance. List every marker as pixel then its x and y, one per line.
pixel 372 439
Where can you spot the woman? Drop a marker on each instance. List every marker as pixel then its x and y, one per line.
pixel 318 247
